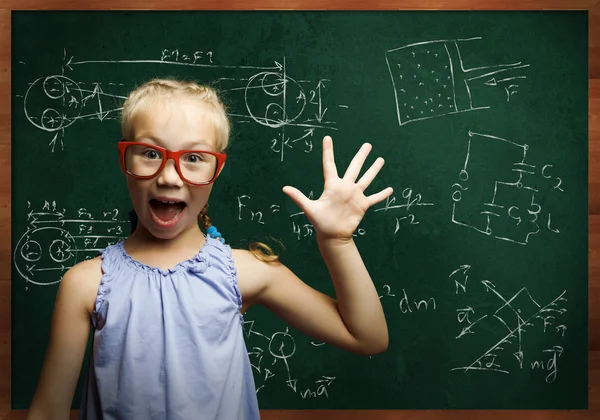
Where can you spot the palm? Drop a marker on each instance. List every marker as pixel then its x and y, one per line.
pixel 342 205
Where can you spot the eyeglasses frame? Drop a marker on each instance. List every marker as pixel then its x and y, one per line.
pixel 168 154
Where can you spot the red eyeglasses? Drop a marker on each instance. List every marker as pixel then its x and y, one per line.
pixel 144 161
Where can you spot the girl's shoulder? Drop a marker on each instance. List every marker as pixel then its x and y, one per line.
pixel 253 275
pixel 247 262
pixel 84 279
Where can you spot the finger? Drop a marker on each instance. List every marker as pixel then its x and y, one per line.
pixel 329 168
pixel 297 197
pixel 357 162
pixel 380 196
pixel 371 173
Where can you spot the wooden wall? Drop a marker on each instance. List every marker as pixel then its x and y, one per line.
pixel 594 179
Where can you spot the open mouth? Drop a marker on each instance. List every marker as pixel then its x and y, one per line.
pixel 167 211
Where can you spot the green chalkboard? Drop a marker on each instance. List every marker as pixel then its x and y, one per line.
pixel 480 256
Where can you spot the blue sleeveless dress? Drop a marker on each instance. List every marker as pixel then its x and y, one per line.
pixel 169 344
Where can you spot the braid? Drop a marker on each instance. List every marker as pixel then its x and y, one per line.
pixel 206 223
pixel 204 218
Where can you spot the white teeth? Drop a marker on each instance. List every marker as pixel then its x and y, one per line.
pixel 169 202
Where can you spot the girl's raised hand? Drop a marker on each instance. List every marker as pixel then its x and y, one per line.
pixel 342 205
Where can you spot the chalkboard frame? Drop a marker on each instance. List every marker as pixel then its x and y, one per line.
pixel 382 5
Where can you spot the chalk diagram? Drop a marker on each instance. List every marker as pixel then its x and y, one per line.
pixel 513 320
pixel 55 241
pixel 430 80
pixel 277 350
pixel 276 101
pixel 501 203
pixel 54 103
pixel 267 95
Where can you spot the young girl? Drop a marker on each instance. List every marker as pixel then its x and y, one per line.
pixel 167 303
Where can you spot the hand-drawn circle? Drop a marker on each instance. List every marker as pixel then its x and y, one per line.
pixel 282 345
pixel 51 95
pixel 272 84
pixel 48 121
pixel 456 196
pixel 463 175
pixel 50 82
pixel 269 86
pixel 59 250
pixel 45 241
pixel 31 251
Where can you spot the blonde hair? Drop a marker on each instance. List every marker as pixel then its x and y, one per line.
pixel 157 89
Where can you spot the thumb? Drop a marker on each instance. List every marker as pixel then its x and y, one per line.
pixel 297 197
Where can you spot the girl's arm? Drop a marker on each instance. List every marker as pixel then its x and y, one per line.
pixel 355 321
pixel 68 340
pixel 357 298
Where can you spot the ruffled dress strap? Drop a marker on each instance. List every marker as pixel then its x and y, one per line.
pixel 111 263
pixel 222 255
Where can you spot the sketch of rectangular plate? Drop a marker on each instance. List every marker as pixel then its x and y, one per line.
pixel 430 80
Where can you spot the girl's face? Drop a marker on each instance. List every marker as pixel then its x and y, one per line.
pixel 175 123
